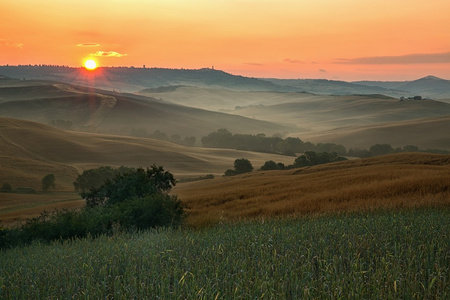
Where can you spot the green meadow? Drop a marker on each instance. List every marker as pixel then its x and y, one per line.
pixel 377 255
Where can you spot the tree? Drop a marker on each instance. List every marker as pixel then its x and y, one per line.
pixel 242 165
pixel 137 183
pixel 95 178
pixel 48 181
pixel 271 165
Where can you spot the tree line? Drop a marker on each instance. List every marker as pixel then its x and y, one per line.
pixel 223 138
pixel 309 158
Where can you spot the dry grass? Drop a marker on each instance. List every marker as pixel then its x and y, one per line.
pixel 391 182
pixel 15 208
pixel 29 151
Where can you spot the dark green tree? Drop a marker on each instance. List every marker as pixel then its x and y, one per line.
pixel 95 178
pixel 242 165
pixel 133 184
pixel 48 181
pixel 271 165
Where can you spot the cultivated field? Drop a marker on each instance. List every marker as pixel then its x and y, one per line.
pixel 396 255
pixel 388 183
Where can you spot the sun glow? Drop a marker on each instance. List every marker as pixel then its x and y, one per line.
pixel 90 64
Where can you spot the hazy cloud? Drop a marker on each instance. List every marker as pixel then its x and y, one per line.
pixel 88 45
pixel 253 64
pixel 322 70
pixel 293 61
pixel 418 58
pixel 9 43
pixel 108 54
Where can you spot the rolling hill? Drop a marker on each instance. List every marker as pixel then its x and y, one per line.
pixel 90 109
pixel 388 182
pixel 426 133
pixel 429 86
pixel 30 150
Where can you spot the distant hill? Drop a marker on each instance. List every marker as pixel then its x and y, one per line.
pixel 131 79
pixel 426 133
pixel 429 86
pixel 333 87
pixel 111 112
pixel 135 79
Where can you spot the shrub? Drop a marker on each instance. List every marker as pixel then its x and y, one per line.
pixel 6 188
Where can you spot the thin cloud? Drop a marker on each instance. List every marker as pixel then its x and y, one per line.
pixel 322 71
pixel 293 61
pixel 418 58
pixel 253 64
pixel 9 43
pixel 108 54
pixel 88 45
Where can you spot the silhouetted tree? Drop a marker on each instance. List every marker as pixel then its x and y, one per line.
pixel 242 165
pixel 271 165
pixel 134 184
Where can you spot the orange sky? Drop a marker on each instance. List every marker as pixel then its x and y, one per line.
pixel 345 39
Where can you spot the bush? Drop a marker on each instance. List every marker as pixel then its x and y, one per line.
pixel 271 165
pixel 6 188
pixel 311 158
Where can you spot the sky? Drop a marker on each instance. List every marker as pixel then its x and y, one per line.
pixel 330 39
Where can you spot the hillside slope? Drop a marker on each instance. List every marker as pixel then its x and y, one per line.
pixel 426 133
pixel 387 182
pixel 102 111
pixel 30 150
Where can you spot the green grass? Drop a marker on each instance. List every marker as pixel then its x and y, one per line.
pixel 402 255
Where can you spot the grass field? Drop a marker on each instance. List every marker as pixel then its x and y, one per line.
pixel 388 182
pixel 15 207
pixel 384 255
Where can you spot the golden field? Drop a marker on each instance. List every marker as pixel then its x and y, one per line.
pixel 29 151
pixel 389 182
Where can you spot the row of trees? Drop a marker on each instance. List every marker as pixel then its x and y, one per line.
pixel 309 158
pixel 223 138
pixel 47 182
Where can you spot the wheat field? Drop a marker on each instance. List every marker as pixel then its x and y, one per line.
pixel 382 183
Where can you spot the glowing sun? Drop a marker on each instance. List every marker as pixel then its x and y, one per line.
pixel 90 64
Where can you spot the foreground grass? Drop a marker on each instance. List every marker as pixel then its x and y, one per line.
pixel 403 255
